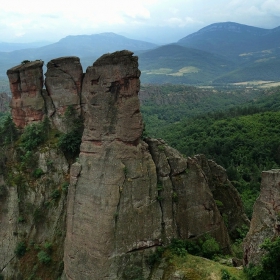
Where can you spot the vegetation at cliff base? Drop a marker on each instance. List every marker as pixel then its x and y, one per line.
pixel 188 266
pixel 70 141
pixel 25 176
pixel 269 267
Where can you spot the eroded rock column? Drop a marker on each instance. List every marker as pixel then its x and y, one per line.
pixel 26 84
pixel 63 88
pixel 112 208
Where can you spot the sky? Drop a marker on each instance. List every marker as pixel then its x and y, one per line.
pixel 157 21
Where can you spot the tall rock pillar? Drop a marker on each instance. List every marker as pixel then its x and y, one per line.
pixel 26 84
pixel 112 204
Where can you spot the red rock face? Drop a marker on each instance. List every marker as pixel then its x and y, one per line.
pixel 26 84
pixel 63 88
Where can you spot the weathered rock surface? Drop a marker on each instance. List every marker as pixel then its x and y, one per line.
pixel 189 209
pixel 26 84
pixel 30 102
pixel 226 196
pixel 112 200
pixel 265 221
pixel 127 196
pixel 32 211
pixel 9 214
pixel 63 87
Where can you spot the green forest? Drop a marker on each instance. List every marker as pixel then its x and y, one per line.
pixel 239 130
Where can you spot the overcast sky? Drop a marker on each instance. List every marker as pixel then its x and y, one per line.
pixel 160 21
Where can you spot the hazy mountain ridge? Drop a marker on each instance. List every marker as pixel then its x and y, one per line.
pixel 251 53
pixel 177 64
pixel 224 52
pixel 84 46
pixel 9 47
pixel 231 27
pixel 232 39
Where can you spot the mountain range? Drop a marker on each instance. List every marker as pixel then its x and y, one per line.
pixel 220 53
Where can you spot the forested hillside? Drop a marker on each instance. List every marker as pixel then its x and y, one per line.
pixel 243 139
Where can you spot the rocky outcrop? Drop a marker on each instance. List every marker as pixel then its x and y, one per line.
pixel 26 84
pixel 113 191
pixel 265 221
pixel 30 102
pixel 63 88
pixel 188 207
pixel 226 196
pixel 127 195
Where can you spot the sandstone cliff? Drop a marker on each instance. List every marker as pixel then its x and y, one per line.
pixel 127 195
pixel 26 84
pixel 265 220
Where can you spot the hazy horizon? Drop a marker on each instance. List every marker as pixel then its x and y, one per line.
pixel 159 22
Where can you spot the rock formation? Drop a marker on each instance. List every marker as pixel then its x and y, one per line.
pixel 265 221
pixel 225 195
pixel 127 195
pixel 26 84
pixel 30 102
pixel 63 87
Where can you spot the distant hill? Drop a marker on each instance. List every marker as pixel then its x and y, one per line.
pixel 9 47
pixel 232 39
pixel 217 54
pixel 177 64
pixel 87 47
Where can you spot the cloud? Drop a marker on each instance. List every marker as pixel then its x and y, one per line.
pixel 52 16
pixel 53 19
pixel 272 7
pixel 181 22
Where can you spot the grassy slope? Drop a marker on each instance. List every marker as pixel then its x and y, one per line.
pixel 198 268
pixel 181 65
